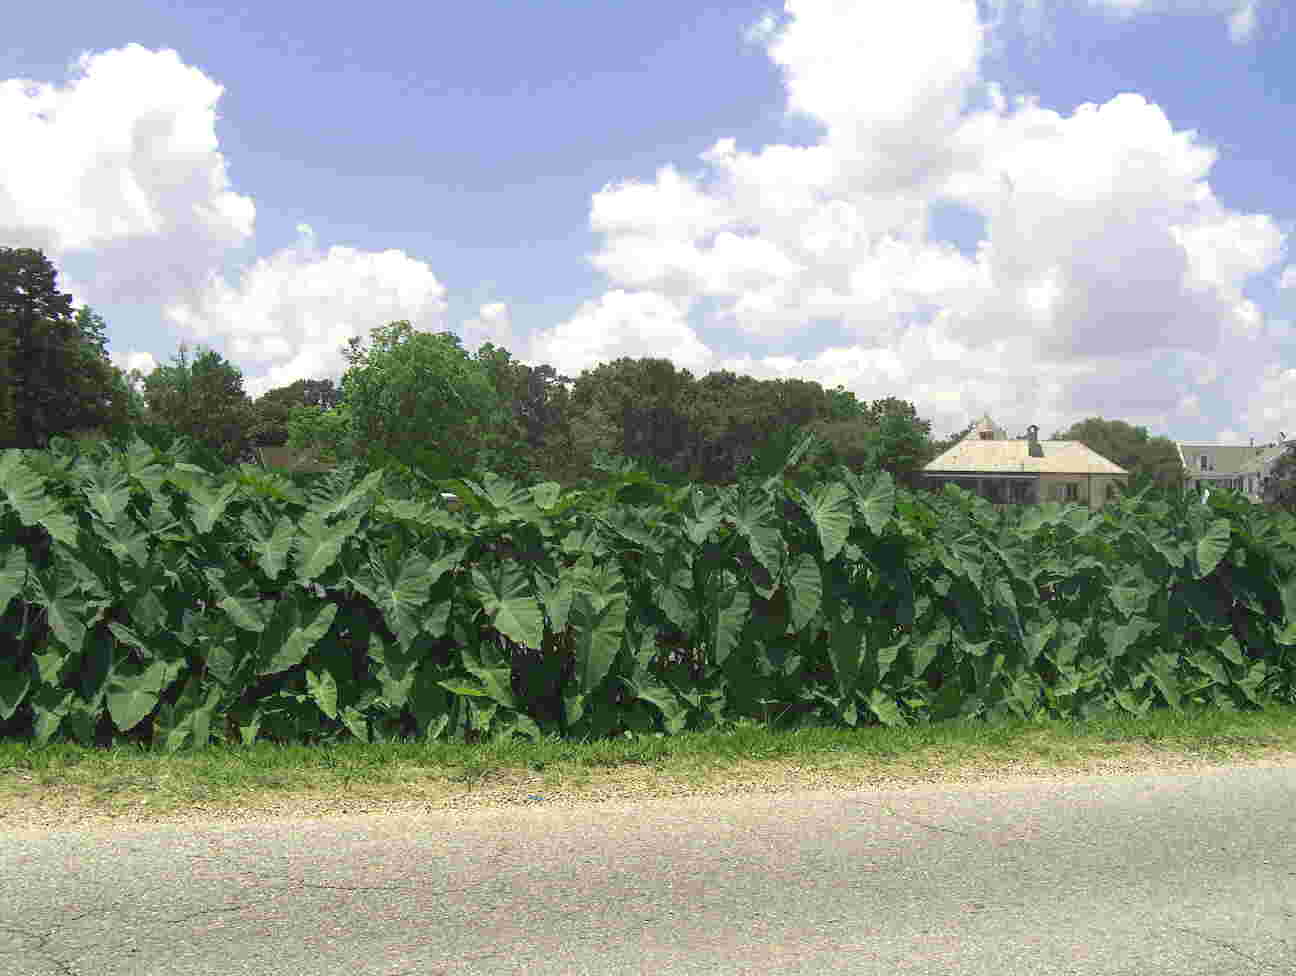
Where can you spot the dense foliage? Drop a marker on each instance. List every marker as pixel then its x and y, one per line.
pixel 1149 460
pixel 147 592
pixel 55 377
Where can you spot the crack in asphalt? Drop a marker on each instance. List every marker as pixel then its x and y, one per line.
pixel 919 823
pixel 1225 944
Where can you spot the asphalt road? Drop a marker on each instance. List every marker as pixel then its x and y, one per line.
pixel 1138 875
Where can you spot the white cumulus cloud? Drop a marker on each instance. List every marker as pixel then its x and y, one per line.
pixel 1108 274
pixel 293 312
pixel 121 161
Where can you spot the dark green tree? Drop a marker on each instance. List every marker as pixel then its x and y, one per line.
pixel 273 408
pixel 203 400
pixel 55 376
pixel 1148 459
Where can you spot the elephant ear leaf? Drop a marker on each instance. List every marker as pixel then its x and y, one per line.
pixel 132 697
pixel 13 576
pixel 805 585
pixel 13 688
pixel 1212 546
pixel 830 511
pixel 510 603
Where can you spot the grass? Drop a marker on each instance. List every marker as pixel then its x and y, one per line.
pixel 62 784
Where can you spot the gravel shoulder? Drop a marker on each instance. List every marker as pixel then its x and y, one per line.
pixel 26 806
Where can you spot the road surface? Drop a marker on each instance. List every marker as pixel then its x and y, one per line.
pixel 1116 875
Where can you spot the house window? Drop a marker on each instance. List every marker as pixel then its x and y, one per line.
pixel 1072 491
pixel 1203 462
pixel 1111 491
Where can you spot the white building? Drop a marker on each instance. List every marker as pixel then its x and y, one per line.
pixel 1244 468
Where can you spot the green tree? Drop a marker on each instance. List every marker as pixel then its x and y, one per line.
pixel 417 399
pixel 632 408
pixel 55 376
pixel 203 400
pixel 1148 459
pixel 273 408
pixel 532 437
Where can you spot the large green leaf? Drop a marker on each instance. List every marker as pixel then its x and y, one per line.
pixel 64 611
pixel 599 632
pixel 496 684
pixel 1212 547
pixel 326 507
pixel 396 672
pixel 270 544
pixel 728 619
pixel 556 597
pixel 846 646
pixel 50 705
pixel 1162 667
pixel 546 494
pixel 754 520
pixel 805 591
pixel 24 489
pixel 13 688
pixel 240 600
pixel 291 634
pixel 674 712
pixel 318 544
pixel 509 602
pixel 924 649
pixel 399 588
pixel 323 688
pixel 131 697
pixel 108 491
pixel 829 509
pixel 125 540
pixel 13 575
pixel 877 505
pixel 207 497
pixel 885 708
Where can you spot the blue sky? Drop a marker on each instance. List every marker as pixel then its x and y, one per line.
pixel 914 203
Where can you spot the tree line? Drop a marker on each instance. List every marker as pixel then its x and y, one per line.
pixel 419 400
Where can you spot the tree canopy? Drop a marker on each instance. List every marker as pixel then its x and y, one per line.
pixel 1148 459
pixel 203 400
pixel 55 376
pixel 413 399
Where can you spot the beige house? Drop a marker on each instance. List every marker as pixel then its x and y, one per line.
pixel 1025 471
pixel 1234 467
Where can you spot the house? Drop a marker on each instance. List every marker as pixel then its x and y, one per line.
pixel 283 456
pixel 1231 467
pixel 1026 470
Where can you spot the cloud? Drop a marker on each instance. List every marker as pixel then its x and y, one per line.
pixel 121 161
pixel 490 324
pixel 1288 279
pixel 1109 272
pixel 142 361
pixel 295 310
pixel 1241 14
pixel 123 164
pixel 622 323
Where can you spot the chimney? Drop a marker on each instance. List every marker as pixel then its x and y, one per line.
pixel 1032 435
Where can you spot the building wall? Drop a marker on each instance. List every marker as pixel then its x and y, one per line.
pixel 1089 489
pixel 285 457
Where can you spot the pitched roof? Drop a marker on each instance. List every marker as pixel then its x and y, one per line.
pixel 1060 457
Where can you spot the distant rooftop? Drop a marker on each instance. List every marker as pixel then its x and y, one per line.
pixel 1005 457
